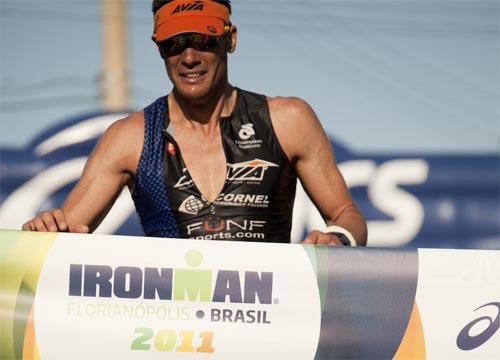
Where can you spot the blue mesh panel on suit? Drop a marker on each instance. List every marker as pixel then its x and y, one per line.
pixel 150 195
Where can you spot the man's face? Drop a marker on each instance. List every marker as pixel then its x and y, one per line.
pixel 198 74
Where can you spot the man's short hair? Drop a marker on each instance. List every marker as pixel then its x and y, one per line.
pixel 157 4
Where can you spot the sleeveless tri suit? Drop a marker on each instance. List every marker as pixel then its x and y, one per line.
pixel 256 201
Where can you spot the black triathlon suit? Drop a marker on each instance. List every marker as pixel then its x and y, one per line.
pixel 256 201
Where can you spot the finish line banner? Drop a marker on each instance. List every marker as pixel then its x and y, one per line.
pixel 99 296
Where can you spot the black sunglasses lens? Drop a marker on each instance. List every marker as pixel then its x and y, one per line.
pixel 178 43
pixel 197 41
pixel 212 42
pixel 169 46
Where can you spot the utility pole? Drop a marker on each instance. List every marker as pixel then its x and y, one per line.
pixel 114 85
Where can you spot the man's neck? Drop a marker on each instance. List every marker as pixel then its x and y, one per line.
pixel 203 115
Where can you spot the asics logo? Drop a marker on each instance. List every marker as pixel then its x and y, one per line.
pixel 469 339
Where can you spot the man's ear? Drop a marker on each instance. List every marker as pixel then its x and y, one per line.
pixel 233 37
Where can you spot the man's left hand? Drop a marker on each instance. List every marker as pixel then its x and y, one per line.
pixel 317 237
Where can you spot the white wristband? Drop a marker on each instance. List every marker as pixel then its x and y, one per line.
pixel 334 229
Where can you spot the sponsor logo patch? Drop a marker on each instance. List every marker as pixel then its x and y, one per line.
pixel 249 171
pixel 222 229
pixel 246 134
pixel 243 200
pixel 246 131
pixel 191 205
pixel 184 181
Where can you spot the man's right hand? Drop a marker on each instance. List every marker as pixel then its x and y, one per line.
pixel 54 221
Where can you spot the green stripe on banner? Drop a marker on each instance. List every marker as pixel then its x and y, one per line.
pixel 318 256
pixel 22 257
pixel 7 239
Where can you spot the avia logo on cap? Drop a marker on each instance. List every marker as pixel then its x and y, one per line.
pixel 174 284
pixel 196 5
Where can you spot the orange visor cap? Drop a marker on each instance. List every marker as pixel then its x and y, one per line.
pixel 181 16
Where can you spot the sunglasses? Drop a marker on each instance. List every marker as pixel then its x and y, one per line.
pixel 201 42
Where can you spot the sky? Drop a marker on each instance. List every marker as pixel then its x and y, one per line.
pixel 383 76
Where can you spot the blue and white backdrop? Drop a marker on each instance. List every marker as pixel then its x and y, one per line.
pixel 407 91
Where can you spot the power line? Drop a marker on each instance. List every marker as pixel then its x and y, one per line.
pixel 461 11
pixel 40 103
pixel 46 84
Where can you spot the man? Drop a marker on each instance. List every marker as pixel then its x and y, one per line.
pixel 211 161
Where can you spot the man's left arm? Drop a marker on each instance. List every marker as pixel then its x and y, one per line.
pixel 308 148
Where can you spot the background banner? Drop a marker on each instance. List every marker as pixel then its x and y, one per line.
pixel 434 201
pixel 99 296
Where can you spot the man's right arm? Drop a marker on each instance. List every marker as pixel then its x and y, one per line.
pixel 111 166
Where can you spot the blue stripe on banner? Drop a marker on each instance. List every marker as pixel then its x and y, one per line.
pixel 370 292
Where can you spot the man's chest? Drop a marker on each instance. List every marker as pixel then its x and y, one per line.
pixel 204 160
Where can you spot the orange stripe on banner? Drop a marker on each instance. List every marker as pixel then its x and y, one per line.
pixel 29 337
pixel 413 343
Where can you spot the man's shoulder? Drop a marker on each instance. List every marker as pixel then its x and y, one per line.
pixel 292 119
pixel 123 140
pixel 130 125
pixel 289 107
pixel 127 132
